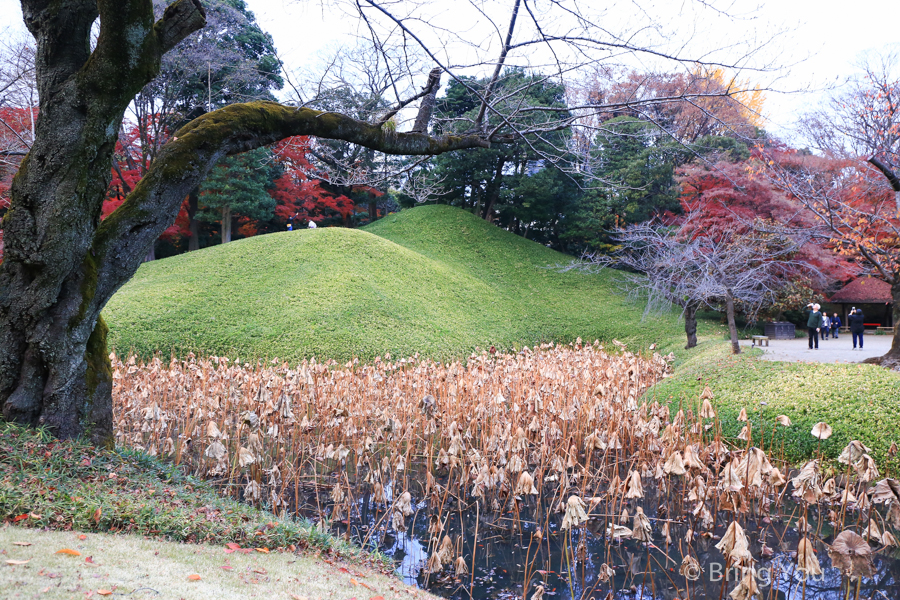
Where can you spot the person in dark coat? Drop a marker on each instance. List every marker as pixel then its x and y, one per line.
pixel 814 325
pixel 835 325
pixel 857 322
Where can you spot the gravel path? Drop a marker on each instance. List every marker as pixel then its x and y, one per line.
pixel 830 350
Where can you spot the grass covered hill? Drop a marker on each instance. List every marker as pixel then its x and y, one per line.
pixel 434 280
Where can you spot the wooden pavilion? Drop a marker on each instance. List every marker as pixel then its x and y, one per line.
pixel 871 295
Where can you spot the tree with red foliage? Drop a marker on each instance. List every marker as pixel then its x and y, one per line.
pixel 730 196
pixel 301 197
pixel 16 130
pixel 853 189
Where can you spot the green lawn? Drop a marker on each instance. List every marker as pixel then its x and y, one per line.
pixel 860 402
pixel 434 280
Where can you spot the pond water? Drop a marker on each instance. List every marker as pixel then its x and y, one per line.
pixel 507 555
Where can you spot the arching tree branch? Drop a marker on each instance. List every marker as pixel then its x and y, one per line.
pixel 121 240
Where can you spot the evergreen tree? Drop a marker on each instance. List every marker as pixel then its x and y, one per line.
pixel 238 187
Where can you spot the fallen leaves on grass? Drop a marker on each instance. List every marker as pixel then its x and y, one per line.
pixel 194 577
pixel 21 543
pixel 18 562
pixel 68 551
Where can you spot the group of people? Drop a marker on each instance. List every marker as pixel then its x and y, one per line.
pixel 819 322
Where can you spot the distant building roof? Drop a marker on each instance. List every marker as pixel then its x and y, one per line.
pixel 865 290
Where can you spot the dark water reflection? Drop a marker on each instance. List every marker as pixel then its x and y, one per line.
pixel 641 571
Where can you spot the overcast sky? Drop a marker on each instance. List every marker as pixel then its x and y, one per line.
pixel 829 35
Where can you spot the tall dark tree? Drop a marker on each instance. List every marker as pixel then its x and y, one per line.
pixel 634 165
pixel 502 182
pixel 231 60
pixel 239 187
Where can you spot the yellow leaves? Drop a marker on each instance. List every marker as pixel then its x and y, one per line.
pixel 68 551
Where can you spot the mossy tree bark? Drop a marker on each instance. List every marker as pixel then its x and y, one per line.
pixel 732 326
pixel 61 263
pixel 690 325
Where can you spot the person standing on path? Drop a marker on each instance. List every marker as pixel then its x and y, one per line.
pixel 826 325
pixel 835 326
pixel 857 322
pixel 814 325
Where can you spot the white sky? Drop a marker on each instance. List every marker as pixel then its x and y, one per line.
pixel 830 35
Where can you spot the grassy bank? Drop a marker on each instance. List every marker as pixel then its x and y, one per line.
pixel 859 401
pixel 49 484
pixel 434 280
pixel 141 568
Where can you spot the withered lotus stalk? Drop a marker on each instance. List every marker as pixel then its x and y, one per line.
pixel 538 593
pixel 807 561
pixel 746 588
pixel 821 430
pixel 641 529
pixel 690 568
pixel 404 504
pixel 852 452
pixel 337 493
pixel 575 514
pixel 691 459
pixel 635 488
pixel 674 465
pixel 734 538
pixel 245 457
pixel 806 483
pixel 446 552
pixel 866 469
pixel 743 416
pixel 730 479
pixel 525 485
pixel 784 420
pixel 460 567
pixel 706 410
pixel 433 565
pixel 212 430
pixel 605 573
pixel 872 532
pixel 851 555
pixel 398 522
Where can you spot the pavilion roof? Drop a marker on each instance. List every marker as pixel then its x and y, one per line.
pixel 865 290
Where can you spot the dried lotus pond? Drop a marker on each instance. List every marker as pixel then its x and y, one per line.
pixel 535 474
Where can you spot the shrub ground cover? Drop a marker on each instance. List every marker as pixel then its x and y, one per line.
pixel 433 280
pixel 858 401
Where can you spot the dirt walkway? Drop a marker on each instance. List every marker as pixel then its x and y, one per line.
pixel 830 350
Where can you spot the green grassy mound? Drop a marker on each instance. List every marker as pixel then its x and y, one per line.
pixel 434 280
pixel 858 401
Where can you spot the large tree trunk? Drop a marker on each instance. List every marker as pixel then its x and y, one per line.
pixel 891 360
pixel 61 264
pixel 193 223
pixel 492 193
pixel 690 325
pixel 732 326
pixel 226 224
